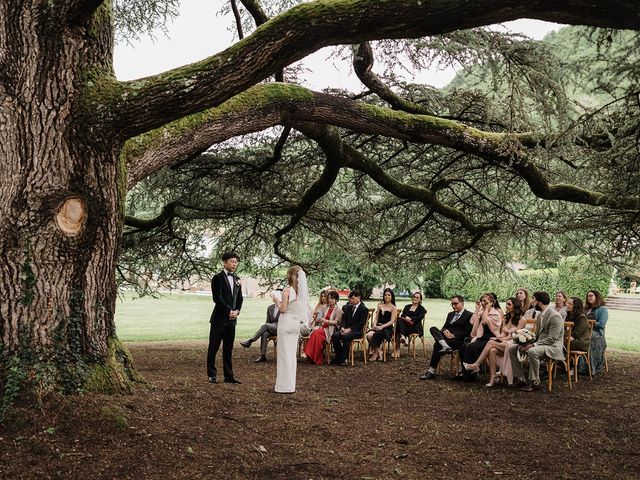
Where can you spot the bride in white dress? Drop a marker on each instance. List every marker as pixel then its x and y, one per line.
pixel 294 310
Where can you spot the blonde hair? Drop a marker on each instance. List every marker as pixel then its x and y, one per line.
pixel 292 277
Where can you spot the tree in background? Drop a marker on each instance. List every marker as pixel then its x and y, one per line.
pixel 76 142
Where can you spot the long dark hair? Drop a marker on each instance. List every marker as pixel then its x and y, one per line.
pixel 578 309
pixel 494 300
pixel 514 317
pixel 393 297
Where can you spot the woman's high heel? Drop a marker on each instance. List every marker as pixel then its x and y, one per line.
pixel 492 382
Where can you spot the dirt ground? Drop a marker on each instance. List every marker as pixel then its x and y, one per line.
pixel 371 422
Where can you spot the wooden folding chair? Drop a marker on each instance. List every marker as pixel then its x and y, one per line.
pixel 361 342
pixel 576 354
pixel 552 364
pixel 413 337
pixel 391 343
pixel 274 339
pixel 454 362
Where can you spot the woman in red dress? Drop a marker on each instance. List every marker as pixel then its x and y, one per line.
pixel 328 317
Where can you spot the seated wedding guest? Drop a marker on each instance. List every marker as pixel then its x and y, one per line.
pixel 410 320
pixel 382 328
pixel 561 304
pixel 354 319
pixel 268 329
pixel 596 310
pixel 450 337
pixel 486 322
pixel 580 330
pixel 327 319
pixel 496 347
pixel 549 342
pixel 528 307
pixel 322 302
pixel 494 299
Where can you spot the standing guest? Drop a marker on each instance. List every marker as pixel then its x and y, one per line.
pixel 451 336
pixel 486 321
pixel 328 318
pixel 549 342
pixel 295 311
pixel 267 329
pixel 561 304
pixel 227 297
pixel 410 320
pixel 353 322
pixel 596 310
pixel 580 331
pixel 496 347
pixel 382 328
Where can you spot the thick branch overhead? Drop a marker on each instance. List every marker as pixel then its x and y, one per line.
pixel 148 103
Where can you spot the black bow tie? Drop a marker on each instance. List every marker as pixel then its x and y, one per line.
pixel 229 274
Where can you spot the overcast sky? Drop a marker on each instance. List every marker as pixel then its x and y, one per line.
pixel 198 33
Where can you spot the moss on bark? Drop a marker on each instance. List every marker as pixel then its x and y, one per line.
pixel 116 374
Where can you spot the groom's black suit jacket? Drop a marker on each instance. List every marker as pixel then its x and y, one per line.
pixel 224 299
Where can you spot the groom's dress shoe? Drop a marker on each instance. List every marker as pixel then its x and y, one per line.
pixel 427 376
pixel 261 358
pixel 232 380
pixel 246 343
pixel 213 380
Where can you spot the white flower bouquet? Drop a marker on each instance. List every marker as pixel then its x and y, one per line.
pixel 523 337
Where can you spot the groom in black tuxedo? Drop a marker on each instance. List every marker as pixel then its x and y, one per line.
pixel 227 297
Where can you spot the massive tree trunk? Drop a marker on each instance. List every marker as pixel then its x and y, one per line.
pixel 61 200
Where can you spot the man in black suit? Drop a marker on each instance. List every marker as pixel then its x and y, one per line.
pixel 227 297
pixel 267 329
pixel 451 336
pixel 353 322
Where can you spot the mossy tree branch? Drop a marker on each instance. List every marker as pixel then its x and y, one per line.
pixel 271 104
pixel 142 105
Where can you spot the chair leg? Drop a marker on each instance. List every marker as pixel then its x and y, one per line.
pixel 606 361
pixel 550 365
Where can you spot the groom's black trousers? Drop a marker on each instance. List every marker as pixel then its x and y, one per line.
pixel 225 334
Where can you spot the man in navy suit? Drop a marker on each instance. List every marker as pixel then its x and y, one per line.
pixel 227 297
pixel 353 322
pixel 451 336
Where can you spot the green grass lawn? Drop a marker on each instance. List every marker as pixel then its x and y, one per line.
pixel 186 317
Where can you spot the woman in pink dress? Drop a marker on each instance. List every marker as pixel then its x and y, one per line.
pixel 327 317
pixel 497 346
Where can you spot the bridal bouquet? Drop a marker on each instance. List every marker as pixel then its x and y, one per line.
pixel 523 337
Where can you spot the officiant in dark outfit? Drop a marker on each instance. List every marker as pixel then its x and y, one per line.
pixel 227 297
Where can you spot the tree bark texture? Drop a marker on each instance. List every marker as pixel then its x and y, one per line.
pixel 61 200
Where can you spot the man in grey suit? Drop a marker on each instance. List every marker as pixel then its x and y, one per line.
pixel 268 329
pixel 550 333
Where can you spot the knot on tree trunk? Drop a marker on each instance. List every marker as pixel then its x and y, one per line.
pixel 71 216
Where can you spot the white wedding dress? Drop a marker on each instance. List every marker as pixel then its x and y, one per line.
pixel 288 333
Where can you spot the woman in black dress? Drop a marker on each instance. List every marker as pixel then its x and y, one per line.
pixel 382 328
pixel 410 320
